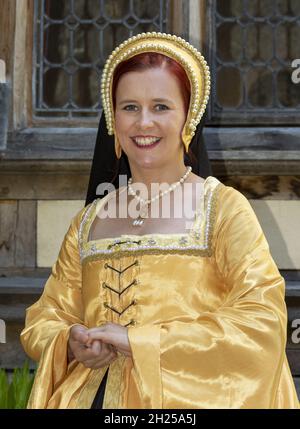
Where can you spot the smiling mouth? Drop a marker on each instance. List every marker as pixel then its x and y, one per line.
pixel 146 143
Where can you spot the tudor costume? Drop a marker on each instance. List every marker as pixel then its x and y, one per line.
pixel 205 310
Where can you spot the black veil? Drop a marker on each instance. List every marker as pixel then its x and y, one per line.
pixel 106 167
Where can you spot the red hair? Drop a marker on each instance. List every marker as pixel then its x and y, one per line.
pixel 151 60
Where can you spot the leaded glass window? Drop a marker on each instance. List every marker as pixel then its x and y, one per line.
pixel 252 47
pixel 73 38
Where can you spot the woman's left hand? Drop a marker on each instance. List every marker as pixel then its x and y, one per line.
pixel 111 333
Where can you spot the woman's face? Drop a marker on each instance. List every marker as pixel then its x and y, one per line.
pixel 149 118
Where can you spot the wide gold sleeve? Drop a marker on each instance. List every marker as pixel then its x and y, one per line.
pixel 49 320
pixel 231 357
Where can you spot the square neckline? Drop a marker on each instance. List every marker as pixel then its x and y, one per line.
pixel 101 201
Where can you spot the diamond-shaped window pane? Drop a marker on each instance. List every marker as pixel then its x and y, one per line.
pixel 73 40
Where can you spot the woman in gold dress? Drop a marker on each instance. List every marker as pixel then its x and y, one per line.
pixel 164 311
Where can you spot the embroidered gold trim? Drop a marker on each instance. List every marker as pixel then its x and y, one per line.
pixel 90 389
pixel 113 385
pixel 197 243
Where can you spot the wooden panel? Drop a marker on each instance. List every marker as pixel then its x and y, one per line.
pixel 17 232
pixel 25 237
pixel 271 187
pixel 44 186
pixel 8 222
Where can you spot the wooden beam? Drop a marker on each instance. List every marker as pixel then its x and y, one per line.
pixel 197 11
pixel 2 71
pixel 178 18
pixel 16 19
pixel 22 69
pixel 4 102
pixel 7 31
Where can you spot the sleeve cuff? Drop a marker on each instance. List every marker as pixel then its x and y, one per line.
pixel 145 347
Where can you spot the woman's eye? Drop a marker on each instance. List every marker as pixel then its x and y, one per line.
pixel 132 107
pixel 162 105
pixel 129 105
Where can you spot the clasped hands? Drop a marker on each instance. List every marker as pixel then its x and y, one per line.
pixel 98 347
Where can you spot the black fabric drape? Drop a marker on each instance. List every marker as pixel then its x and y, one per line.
pixel 98 400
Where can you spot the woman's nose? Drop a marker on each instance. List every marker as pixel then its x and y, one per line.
pixel 145 119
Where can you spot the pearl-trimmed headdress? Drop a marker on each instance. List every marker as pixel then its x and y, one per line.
pixel 179 50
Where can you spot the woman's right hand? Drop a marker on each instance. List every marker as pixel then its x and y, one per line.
pixel 95 356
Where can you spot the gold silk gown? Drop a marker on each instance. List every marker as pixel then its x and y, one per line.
pixel 205 313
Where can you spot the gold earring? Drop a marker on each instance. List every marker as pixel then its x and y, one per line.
pixel 118 148
pixel 186 139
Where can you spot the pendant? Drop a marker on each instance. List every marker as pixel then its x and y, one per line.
pixel 138 221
